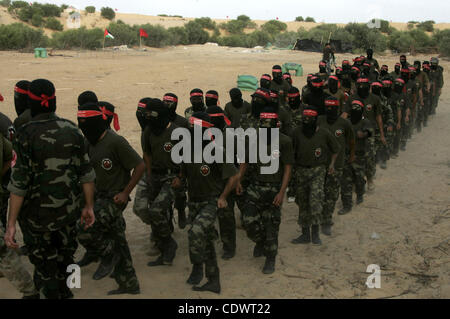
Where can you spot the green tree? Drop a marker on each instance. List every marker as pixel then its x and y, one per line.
pixel 196 34
pixel 299 19
pixel 37 20
pixel 54 24
pixel 310 19
pixel 274 27
pixel 108 13
pixel 90 9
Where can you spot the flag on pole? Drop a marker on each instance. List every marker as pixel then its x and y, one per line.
pixel 108 35
pixel 143 33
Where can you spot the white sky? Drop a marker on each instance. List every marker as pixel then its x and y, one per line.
pixel 286 10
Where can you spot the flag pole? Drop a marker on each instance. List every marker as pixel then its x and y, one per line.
pixel 140 41
pixel 104 38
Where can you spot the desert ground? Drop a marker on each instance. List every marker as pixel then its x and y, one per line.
pixel 404 226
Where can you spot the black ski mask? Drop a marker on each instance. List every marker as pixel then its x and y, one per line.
pixel 403 61
pixel 140 112
pixel 404 74
pixel 170 100
pixel 309 122
pixel 333 84
pixel 87 97
pixel 412 73
pixel 198 104
pixel 21 96
pixel 316 86
pixel 332 109
pixel 418 67
pixel 322 67
pixel 274 99
pixel 218 118
pixel 399 85
pixel 384 71
pixel 211 98
pixel 265 81
pixel 369 54
pixel 397 68
pixel 376 88
pixel 41 97
pixel 355 73
pixel 294 98
pixel 158 116
pixel 236 98
pixel 260 99
pixel 268 119
pixel 277 74
pixel 109 110
pixel 387 88
pixel 203 120
pixel 363 87
pixel 92 122
pixel 356 113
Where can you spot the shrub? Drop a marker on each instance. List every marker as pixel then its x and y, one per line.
pixel 400 41
pixel 196 34
pixel 18 36
pixel 124 34
pixel 90 9
pixel 108 13
pixel 285 39
pixel 5 3
pixel 206 23
pixel 233 40
pixel 310 19
pixel 25 14
pixel 19 4
pixel 49 10
pixel 426 26
pixel 37 20
pixel 64 7
pixel 274 27
pixel 384 26
pixel 444 42
pixel 299 19
pixel 54 24
pixel 259 37
pixel 363 37
pixel 78 38
pixel 158 36
pixel 178 35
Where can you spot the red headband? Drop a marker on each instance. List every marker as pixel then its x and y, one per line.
pixel 384 67
pixel 322 64
pixel 404 70
pixel 317 85
pixel 90 113
pixel 355 68
pixel 358 103
pixel 345 62
pixel 333 77
pixel 366 64
pixel 19 90
pixel 273 94
pixel 426 66
pixel 309 113
pixel 377 84
pixel 397 64
pixel 226 119
pixel 114 115
pixel 142 105
pixel 43 98
pixel 196 94
pixel 199 122
pixel 400 80
pixel 265 77
pixel 264 94
pixel 268 116
pixel 363 80
pixel 276 71
pixel 331 103
pixel 387 82
pixel 285 76
pixel 212 96
pixel 411 68
pixel 170 98
pixel 294 94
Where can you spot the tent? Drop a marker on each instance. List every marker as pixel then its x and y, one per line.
pixel 314 46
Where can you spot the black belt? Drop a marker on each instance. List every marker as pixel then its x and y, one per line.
pixel 166 171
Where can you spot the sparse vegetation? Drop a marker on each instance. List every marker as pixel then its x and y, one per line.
pixel 108 13
pixel 310 19
pixel 90 9
pixel 54 24
pixel 299 19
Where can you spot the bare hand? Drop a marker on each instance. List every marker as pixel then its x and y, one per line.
pixel 239 189
pixel 121 198
pixel 331 170
pixel 176 183
pixel 399 126
pixel 383 140
pixel 222 203
pixel 407 119
pixel 87 217
pixel 9 237
pixel 390 128
pixel 278 200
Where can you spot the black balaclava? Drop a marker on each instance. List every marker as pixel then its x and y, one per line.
pixel 355 73
pixel 365 69
pixel 158 116
pixel 218 117
pixel 277 74
pixel 308 80
pixel 356 112
pixel 346 65
pixel 41 97
pixel 418 67
pixel 434 63
pixel 294 100
pixel 87 97
pixel 322 67
pixel 404 74
pixel 236 98
pixel 397 68
pixel 333 84
pixel 316 86
pixel 287 77
pixel 412 73
pixel 21 96
pixel 265 81
pixel 211 98
pixel 339 72
pixel 376 88
pixel 387 88
pixel 399 84
pixel 369 54
pixel 140 112
pixel 203 120
pixel 198 105
pixel 363 87
pixel 92 122
pixel 403 61
pixel 274 99
pixel 170 100
pixel 268 119
pixel 260 99
pixel 384 70
pixel 109 111
pixel 332 109
pixel 309 122
pixel 426 67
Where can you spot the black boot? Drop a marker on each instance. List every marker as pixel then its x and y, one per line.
pixel 120 291
pixel 87 259
pixel 315 235
pixel 157 262
pixel 344 210
pixel 196 275
pixel 213 283
pixel 182 222
pixel 228 254
pixel 169 250
pixel 359 199
pixel 304 238
pixel 326 230
pixel 258 251
pixel 269 266
pixel 106 266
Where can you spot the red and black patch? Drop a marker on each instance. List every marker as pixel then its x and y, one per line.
pixel 276 154
pixel 168 147
pixel 205 170
pixel 369 107
pixel 107 164
pixel 318 152
pixel 338 133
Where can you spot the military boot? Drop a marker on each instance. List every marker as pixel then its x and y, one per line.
pixel 196 275
pixel 304 238
pixel 269 266
pixel 87 259
pixel 359 199
pixel 345 210
pixel 169 250
pixel 182 221
pixel 107 265
pixel 315 235
pixel 122 290
pixel 258 251
pixel 213 283
pixel 326 229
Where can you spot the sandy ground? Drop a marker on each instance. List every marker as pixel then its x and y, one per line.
pixel 409 210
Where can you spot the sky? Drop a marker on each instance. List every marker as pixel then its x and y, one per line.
pixel 286 10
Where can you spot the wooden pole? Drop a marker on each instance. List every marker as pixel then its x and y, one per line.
pixel 104 38
pixel 140 42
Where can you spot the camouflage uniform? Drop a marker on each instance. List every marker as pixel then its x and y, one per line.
pixel 383 151
pixel 51 164
pixel 296 122
pixel 438 81
pixel 140 204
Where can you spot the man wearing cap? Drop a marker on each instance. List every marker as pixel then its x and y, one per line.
pixel 373 112
pixel 209 185
pixel 437 73
pixel 198 104
pixel 341 129
pixel 265 194
pixel 354 171
pixel 51 175
pixel 313 148
pixel 113 160
pixel 236 107
pixel 279 84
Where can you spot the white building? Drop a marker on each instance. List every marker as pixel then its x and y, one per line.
pixel 73 20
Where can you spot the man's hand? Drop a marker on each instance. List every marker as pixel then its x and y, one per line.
pixel 360 134
pixel 87 217
pixel 176 183
pixel 390 128
pixel 222 203
pixel 9 237
pixel 121 198
pixel 239 189
pixel 331 170
pixel 406 119
pixel 278 200
pixel 399 126
pixel 383 140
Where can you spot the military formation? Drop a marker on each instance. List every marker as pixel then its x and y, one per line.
pixel 68 184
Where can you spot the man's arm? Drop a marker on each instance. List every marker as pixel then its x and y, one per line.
pixel 6 167
pixel 148 164
pixel 380 126
pixel 15 203
pixel 138 171
pixel 284 185
pixel 242 169
pixel 87 214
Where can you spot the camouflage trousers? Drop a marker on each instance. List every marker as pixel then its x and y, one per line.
pixel 396 141
pixel 50 253
pixel 310 195
pixel 203 234
pixel 427 100
pixel 420 115
pixel 13 269
pixel 107 236
pixel 371 164
pixel 140 204
pixel 353 174
pixel 261 218
pixel 227 225
pixel 412 121
pixel 292 187
pixel 434 103
pixel 331 190
pixel 383 152
pixel 404 132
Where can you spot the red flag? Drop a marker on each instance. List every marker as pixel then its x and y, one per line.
pixel 142 33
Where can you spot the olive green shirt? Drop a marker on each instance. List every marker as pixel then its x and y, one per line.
pixel 159 148
pixel 361 144
pixel 282 89
pixel 234 114
pixel 22 119
pixel 372 107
